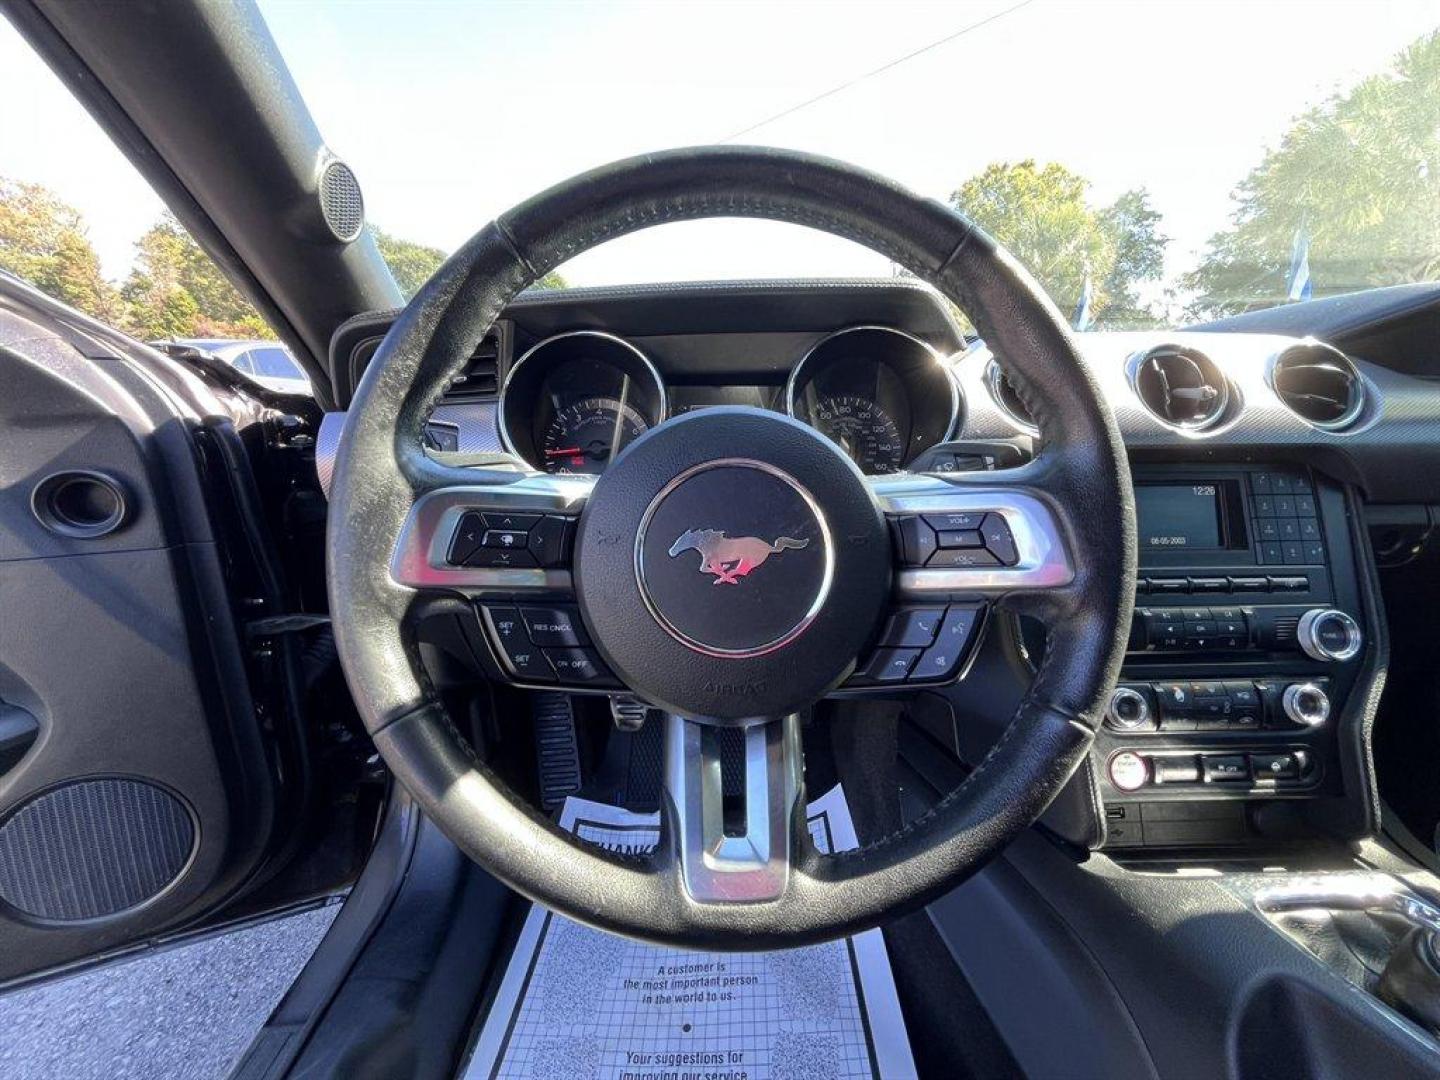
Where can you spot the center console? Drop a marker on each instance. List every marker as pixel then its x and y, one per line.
pixel 1228 725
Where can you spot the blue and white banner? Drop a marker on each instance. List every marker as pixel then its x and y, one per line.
pixel 1083 316
pixel 1297 284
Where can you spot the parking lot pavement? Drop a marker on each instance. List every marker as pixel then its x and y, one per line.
pixel 187 1012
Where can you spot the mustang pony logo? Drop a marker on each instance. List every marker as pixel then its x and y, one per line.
pixel 730 558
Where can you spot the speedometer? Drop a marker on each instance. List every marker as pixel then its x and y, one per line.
pixel 584 436
pixel 863 429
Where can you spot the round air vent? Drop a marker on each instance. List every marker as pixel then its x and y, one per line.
pixel 1005 395
pixel 1183 387
pixel 1319 384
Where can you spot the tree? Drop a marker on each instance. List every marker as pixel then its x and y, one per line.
pixel 412 263
pixel 43 240
pixel 1043 216
pixel 1139 256
pixel 1358 176
pixel 176 290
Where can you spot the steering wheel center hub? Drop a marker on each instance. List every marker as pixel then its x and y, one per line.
pixel 710 578
pixel 734 558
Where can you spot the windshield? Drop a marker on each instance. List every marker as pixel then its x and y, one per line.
pixel 1152 164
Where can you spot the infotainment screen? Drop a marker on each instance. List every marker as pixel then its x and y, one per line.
pixel 1178 516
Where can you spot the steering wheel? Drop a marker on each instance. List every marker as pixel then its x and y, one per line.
pixel 753 651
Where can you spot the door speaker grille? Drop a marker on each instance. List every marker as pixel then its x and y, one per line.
pixel 93 848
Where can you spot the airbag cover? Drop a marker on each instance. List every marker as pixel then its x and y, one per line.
pixel 731 564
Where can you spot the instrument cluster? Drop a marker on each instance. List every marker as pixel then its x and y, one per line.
pixel 575 401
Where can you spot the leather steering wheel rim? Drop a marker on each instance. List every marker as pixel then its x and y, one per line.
pixel 382 469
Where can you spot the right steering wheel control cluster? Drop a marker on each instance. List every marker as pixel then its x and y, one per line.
pixel 960 540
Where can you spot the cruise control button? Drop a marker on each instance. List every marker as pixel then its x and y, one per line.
pixel 505 626
pixel 891 665
pixel 468 535
pixel 525 661
pixel 578 666
pixel 554 627
pixel 999 540
pixel 913 628
pixel 1225 768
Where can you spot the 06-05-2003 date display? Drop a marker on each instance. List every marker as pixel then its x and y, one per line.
pixel 1178 515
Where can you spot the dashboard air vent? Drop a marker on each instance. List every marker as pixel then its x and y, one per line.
pixel 1319 384
pixel 481 378
pixel 1005 395
pixel 1183 387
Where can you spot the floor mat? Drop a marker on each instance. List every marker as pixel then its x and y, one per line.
pixel 579 1003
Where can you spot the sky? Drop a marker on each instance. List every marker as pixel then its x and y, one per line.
pixel 452 112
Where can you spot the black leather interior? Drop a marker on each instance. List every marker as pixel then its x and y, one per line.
pixel 1081 473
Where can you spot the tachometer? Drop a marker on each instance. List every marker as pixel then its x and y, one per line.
pixel 584 436
pixel 866 431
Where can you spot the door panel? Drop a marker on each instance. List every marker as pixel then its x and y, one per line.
pixel 144 798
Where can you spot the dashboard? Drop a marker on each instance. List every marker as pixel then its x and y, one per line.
pixel 1249 688
pixel 574 401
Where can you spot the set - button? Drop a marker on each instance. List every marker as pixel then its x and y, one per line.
pixel 503 540
pixel 921 644
pixel 545 644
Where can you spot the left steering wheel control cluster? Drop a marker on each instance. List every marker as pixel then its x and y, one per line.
pixel 503 540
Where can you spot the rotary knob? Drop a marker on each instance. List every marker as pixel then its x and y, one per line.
pixel 1128 710
pixel 1328 634
pixel 1306 704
